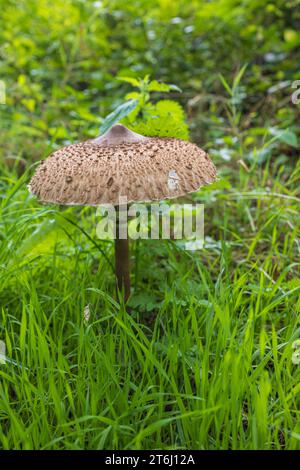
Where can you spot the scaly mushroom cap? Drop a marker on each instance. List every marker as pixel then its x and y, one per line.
pixel 122 163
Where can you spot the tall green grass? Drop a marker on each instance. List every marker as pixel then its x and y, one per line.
pixel 202 361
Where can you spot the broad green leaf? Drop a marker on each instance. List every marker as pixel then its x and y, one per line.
pixel 154 85
pixel 175 88
pixel 162 126
pixel 134 95
pixel 288 137
pixel 133 81
pixel 168 107
pixel 42 240
pixel 119 113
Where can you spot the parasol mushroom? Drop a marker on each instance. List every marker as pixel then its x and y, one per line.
pixel 122 163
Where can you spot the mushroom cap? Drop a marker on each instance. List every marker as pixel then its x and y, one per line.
pixel 122 164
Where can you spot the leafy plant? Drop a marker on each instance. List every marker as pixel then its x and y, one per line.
pixel 164 118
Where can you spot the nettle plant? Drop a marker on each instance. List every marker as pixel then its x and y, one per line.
pixel 164 118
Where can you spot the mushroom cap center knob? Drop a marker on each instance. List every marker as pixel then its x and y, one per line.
pixel 118 134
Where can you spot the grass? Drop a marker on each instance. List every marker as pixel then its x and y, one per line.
pixel 204 359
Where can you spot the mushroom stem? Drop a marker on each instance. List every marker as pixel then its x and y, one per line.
pixel 122 262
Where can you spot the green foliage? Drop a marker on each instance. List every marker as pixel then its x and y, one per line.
pixel 161 125
pixel 60 59
pixel 165 118
pixel 119 113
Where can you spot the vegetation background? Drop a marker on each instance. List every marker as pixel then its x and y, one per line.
pixel 208 357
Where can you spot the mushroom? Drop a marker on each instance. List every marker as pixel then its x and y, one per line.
pixel 122 163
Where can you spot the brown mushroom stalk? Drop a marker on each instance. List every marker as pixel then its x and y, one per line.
pixel 122 164
pixel 122 260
